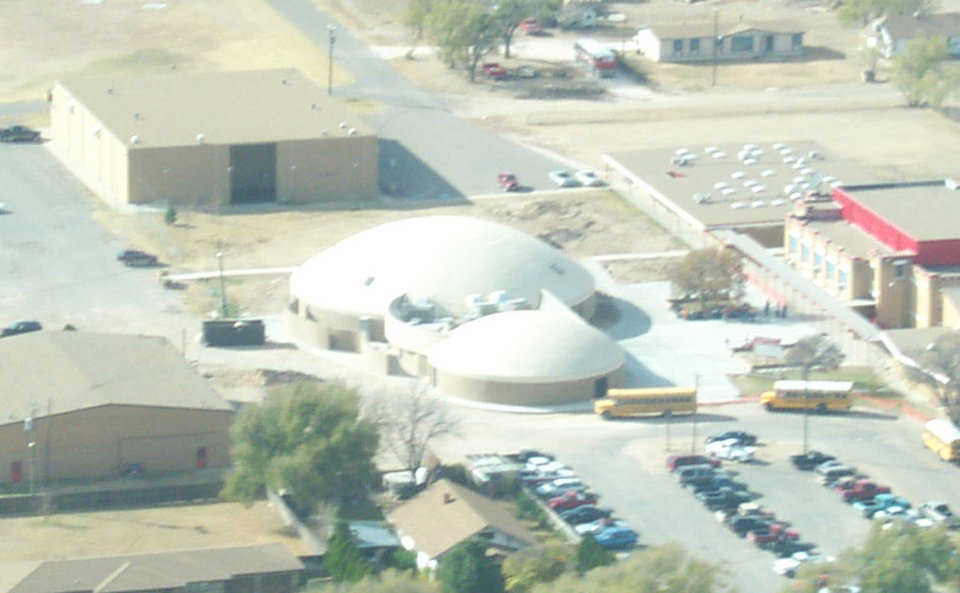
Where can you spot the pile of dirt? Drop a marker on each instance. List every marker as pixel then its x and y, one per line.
pixel 561 222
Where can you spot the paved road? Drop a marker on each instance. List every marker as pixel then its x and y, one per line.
pixel 426 151
pixel 59 266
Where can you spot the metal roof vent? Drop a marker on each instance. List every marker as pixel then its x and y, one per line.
pixel 134 139
pixel 200 138
pixel 951 184
pixel 352 132
pixel 343 125
pixel 779 145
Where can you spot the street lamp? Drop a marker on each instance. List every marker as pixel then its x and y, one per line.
pixel 223 294
pixel 332 31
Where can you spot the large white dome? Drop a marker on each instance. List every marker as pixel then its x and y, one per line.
pixel 527 347
pixel 443 258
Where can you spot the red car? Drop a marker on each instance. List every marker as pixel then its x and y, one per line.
pixel 864 491
pixel 494 70
pixel 531 26
pixel 572 500
pixel 780 530
pixel 508 182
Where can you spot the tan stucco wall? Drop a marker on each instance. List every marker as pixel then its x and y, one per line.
pixel 520 394
pixel 187 175
pixel 91 443
pixel 328 169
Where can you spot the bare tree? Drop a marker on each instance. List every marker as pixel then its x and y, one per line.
pixel 815 352
pixel 940 369
pixel 410 423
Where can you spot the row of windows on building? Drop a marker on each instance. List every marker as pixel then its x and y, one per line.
pixel 819 262
pixel 742 43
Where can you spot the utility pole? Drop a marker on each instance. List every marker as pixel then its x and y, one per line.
pixel 223 294
pixel 332 31
pixel 693 417
pixel 667 417
pixel 805 371
pixel 716 41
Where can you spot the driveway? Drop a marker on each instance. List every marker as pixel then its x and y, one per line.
pixel 426 151
pixel 59 266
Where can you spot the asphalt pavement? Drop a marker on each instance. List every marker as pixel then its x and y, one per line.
pixel 426 152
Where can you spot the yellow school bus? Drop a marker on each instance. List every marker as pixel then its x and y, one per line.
pixel 664 401
pixel 820 396
pixel 943 438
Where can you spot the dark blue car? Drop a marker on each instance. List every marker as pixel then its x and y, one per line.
pixel 616 537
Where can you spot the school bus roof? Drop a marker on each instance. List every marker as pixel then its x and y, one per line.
pixel 827 386
pixel 651 391
pixel 943 429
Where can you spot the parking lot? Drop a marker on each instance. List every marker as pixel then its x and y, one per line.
pixel 623 461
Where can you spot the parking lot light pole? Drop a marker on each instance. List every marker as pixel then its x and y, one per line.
pixel 693 417
pixel 223 294
pixel 332 31
pixel 805 371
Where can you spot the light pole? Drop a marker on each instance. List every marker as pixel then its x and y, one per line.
pixel 293 183
pixel 332 31
pixel 223 294
pixel 716 41
pixel 32 445
pixel 805 371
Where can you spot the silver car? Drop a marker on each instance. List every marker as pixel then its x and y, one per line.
pixel 563 179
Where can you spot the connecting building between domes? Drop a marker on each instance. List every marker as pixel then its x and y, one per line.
pixel 478 309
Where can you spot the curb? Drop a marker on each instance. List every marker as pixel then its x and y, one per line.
pixel 742 400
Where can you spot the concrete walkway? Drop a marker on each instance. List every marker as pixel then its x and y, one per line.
pixel 229 274
pixel 632 256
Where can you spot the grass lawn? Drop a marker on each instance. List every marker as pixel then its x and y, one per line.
pixel 863 378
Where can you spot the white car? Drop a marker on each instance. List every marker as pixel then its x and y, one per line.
pixel 563 179
pixel 588 178
pixel 730 450
pixel 558 486
pixel 595 527
pixel 786 567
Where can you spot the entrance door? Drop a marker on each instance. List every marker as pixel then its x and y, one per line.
pixel 201 457
pixel 253 173
pixel 16 471
pixel 768 44
pixel 600 388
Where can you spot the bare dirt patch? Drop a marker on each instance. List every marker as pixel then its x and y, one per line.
pixel 159 529
pixel 637 270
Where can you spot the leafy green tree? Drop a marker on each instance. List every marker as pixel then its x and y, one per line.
pixel 416 15
pixel 507 16
pixel 710 274
pixel 537 564
pixel 467 569
pixel 921 72
pixel 860 11
pixel 308 440
pixel 389 581
pixel 463 31
pixel 590 555
pixel 344 560
pixel 170 216
pixel 663 569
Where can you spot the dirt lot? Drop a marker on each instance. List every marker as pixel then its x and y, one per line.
pixel 48 40
pixel 143 530
pixel 581 222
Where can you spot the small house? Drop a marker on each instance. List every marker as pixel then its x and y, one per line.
pixel 705 42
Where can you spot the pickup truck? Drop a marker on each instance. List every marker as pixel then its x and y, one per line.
pixel 19 134
pixel 723 499
pixel 508 182
pixel 810 460
pixel 939 512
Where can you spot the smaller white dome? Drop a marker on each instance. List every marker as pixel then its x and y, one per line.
pixel 527 347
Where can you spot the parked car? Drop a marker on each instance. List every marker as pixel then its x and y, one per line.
pixel 19 133
pixel 677 461
pixel 863 490
pixel 762 537
pixel 588 178
pixel 844 483
pixel 136 258
pixel 617 537
pixel 714 483
pixel 868 508
pixel 20 327
pixel 730 450
pixel 559 486
pixel 562 178
pixel 828 465
pixel 531 26
pixel 532 477
pixel 785 548
pixel 508 182
pixel 696 474
pixel 741 437
pixel 721 499
pixel 786 567
pixel 595 527
pixel 831 475
pixel 585 514
pixel 939 512
pixel 525 455
pixel 494 71
pixel 742 525
pixel 571 500
pixel 810 460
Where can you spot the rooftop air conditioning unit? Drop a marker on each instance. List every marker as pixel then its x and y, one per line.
pixel 728 191
pixel 951 184
pixel 719 155
pixel 701 198
pixel 737 205
pixel 720 185
pixel 779 145
pixel 738 175
pixel 200 138
pixel 767 173
pixel 134 139
pixel 750 162
pixel 710 149
pixel 757 204
pixel 681 151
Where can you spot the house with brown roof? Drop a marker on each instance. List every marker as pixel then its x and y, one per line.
pixel 724 42
pixel 84 405
pixel 445 514
pixel 890 34
pixel 266 568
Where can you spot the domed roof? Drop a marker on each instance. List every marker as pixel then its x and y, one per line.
pixel 443 258
pixel 527 347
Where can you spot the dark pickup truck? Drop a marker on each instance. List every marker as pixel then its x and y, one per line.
pixel 19 134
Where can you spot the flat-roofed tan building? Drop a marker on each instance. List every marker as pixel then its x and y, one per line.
pixel 212 139
pixel 93 404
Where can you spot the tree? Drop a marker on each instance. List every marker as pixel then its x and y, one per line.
pixel 662 569
pixel 590 555
pixel 861 11
pixel 900 559
pixel 308 440
pixel 507 15
pixel 921 74
pixel 170 216
pixel 463 31
pixel 416 15
pixel 467 569
pixel 709 274
pixel 409 424
pixel 816 351
pixel 537 564
pixel 344 560
pixel 940 369
pixel 389 581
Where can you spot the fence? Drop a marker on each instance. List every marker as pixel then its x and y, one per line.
pixel 83 500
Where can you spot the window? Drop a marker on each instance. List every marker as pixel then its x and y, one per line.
pixel 793 244
pixel 898 270
pixel 831 267
pixel 796 40
pixel 678 46
pixel 817 260
pixel 842 279
pixel 718 44
pixel 742 43
pixel 695 46
pixel 804 252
